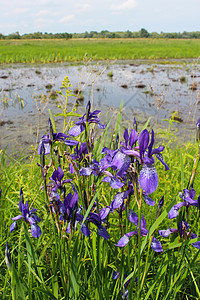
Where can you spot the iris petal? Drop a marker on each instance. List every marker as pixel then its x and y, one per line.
pixel 76 130
pixel 133 217
pixel 166 233
pixel 148 178
pixel 103 232
pixel 123 241
pixel 156 245
pixel 12 226
pixel 148 200
pixel 35 230
pixel 85 231
pixel 118 200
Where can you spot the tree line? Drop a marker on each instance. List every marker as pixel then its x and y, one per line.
pixel 143 33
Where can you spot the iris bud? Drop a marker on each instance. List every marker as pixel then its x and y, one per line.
pixel 88 107
pixel 198 130
pixel 8 257
pixel 160 206
pixel 21 195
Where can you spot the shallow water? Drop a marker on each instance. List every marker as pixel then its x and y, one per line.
pixel 139 85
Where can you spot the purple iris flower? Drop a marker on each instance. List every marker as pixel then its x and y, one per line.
pixel 119 198
pixel 92 169
pixel 52 137
pixel 116 275
pixel 71 213
pixel 69 204
pixel 148 177
pixel 182 231
pixel 90 117
pixel 28 216
pixel 133 217
pixel 56 179
pixel 97 169
pixel 98 219
pixel 122 160
pixel 79 152
pixel 106 161
pixel 115 182
pixel 76 218
pixel 187 197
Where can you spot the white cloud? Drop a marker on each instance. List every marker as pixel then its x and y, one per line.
pixel 129 4
pixel 11 26
pixel 67 19
pixel 39 21
pixel 21 10
pixel 83 6
pixel 43 13
pixel 17 11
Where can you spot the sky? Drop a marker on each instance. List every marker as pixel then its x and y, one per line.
pixel 57 16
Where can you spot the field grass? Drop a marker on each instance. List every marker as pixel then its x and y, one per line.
pixel 52 51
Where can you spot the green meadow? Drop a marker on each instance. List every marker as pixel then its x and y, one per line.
pixel 75 50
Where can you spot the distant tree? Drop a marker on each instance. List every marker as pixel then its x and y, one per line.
pixel 2 37
pixel 128 34
pixel 154 35
pixel 136 34
pixel 144 33
pixel 105 34
pixel 14 36
pixel 37 35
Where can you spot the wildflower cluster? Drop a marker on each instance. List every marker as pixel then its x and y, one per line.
pixel 128 172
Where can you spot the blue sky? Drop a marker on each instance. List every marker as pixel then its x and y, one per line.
pixel 28 16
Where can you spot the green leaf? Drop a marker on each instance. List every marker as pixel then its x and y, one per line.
pixel 52 297
pixel 75 287
pixel 52 121
pixel 90 206
pixel 146 124
pixel 69 114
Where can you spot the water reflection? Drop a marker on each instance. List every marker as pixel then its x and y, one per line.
pixel 29 91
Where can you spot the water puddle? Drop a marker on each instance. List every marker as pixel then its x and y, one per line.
pixel 28 91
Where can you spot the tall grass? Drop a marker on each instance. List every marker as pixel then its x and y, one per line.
pixel 53 51
pixel 75 265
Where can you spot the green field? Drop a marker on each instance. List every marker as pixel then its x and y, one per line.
pixel 52 51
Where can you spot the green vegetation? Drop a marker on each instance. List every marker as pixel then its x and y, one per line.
pixel 143 33
pixel 75 50
pixel 66 262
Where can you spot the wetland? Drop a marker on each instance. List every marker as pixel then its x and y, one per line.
pixel 147 89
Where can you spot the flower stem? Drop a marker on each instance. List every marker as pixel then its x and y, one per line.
pixel 139 246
